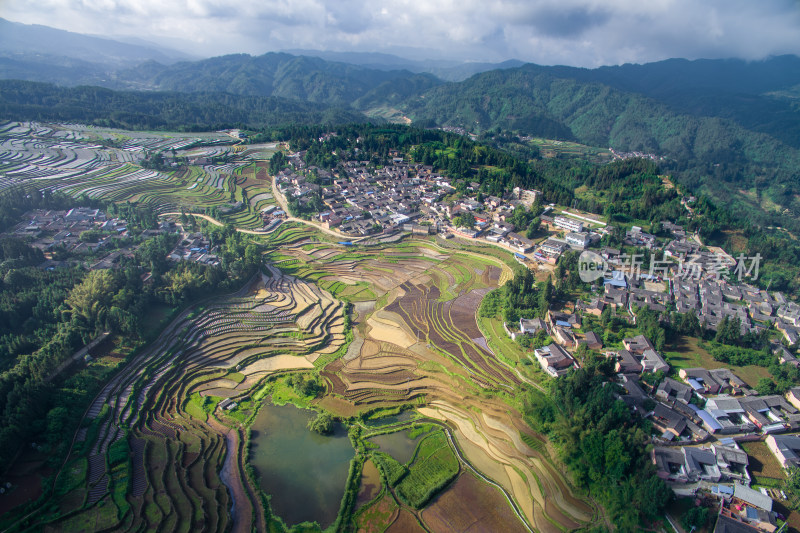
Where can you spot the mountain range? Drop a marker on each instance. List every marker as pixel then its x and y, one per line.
pixel 730 127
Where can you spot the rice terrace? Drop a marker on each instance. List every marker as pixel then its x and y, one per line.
pixel 379 338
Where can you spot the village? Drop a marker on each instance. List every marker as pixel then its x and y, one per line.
pixel 700 416
pixel 89 237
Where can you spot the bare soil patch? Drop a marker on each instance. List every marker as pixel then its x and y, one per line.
pixel 470 506
pixel 370 484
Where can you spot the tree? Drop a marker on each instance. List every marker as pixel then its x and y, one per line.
pixel 89 298
pixel 251 255
pixel 322 424
pixel 533 227
pixel 765 387
pixel 792 487
pixel 695 518
pixel 15 278
pixel 277 162
pixel 465 220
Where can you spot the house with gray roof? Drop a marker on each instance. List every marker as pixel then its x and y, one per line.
pixel 554 360
pixel 785 448
pixel 669 389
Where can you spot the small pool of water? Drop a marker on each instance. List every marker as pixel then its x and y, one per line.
pixel 304 473
pixel 398 444
pixel 404 416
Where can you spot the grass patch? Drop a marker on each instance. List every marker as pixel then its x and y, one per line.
pixel 391 470
pixel 238 377
pixel 762 463
pixel 434 466
pixel 207 404
pixel 73 477
pixel 242 412
pixel 685 352
pixel 283 393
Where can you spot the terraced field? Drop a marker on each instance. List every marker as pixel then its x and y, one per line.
pixel 414 345
pixel 159 453
pixel 163 406
pixel 162 455
pixel 80 160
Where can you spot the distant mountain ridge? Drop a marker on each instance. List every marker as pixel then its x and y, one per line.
pixel 137 110
pixel 32 40
pixel 305 78
pixel 443 69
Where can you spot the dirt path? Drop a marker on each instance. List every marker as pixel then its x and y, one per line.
pixel 281 199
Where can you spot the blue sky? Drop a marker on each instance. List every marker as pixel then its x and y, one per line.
pixel 572 32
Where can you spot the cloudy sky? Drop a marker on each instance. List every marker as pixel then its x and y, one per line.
pixel 572 32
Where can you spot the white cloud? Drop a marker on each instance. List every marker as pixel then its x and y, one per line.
pixel 575 32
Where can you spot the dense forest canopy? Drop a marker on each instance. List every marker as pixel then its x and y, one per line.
pixel 21 100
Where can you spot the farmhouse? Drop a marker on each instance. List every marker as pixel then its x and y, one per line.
pixel 554 247
pixel 793 397
pixel 592 341
pixel 785 448
pixel 717 381
pixel 530 326
pixel 554 359
pixel 669 389
pixel 578 240
pixel 627 363
pixel 690 465
pixel 771 413
pixel 568 224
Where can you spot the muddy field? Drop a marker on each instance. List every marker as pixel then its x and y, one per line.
pixel 471 505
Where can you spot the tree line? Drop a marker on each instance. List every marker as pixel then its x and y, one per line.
pixel 52 314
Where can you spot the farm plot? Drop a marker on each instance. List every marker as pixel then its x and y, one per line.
pixel 161 401
pixel 447 376
pixel 470 504
pixel 66 158
pixel 491 441
pixel 450 326
pixel 433 467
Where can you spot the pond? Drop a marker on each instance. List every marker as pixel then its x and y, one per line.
pixel 398 444
pixel 403 416
pixel 303 473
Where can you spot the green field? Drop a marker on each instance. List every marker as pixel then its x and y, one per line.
pixel 685 352
pixel 433 467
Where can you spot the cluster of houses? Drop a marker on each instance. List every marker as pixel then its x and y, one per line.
pixel 360 199
pixel 699 415
pixel 711 297
pixel 59 230
pixel 733 414
pixel 51 229
pixel 196 248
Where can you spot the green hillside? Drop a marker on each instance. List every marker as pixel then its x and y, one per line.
pixel 20 100
pixel 298 77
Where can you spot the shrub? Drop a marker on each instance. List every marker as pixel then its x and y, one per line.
pixel 322 424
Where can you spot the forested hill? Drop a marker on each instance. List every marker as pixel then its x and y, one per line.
pixel 275 74
pixel 23 100
pixel 759 95
pixel 716 154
